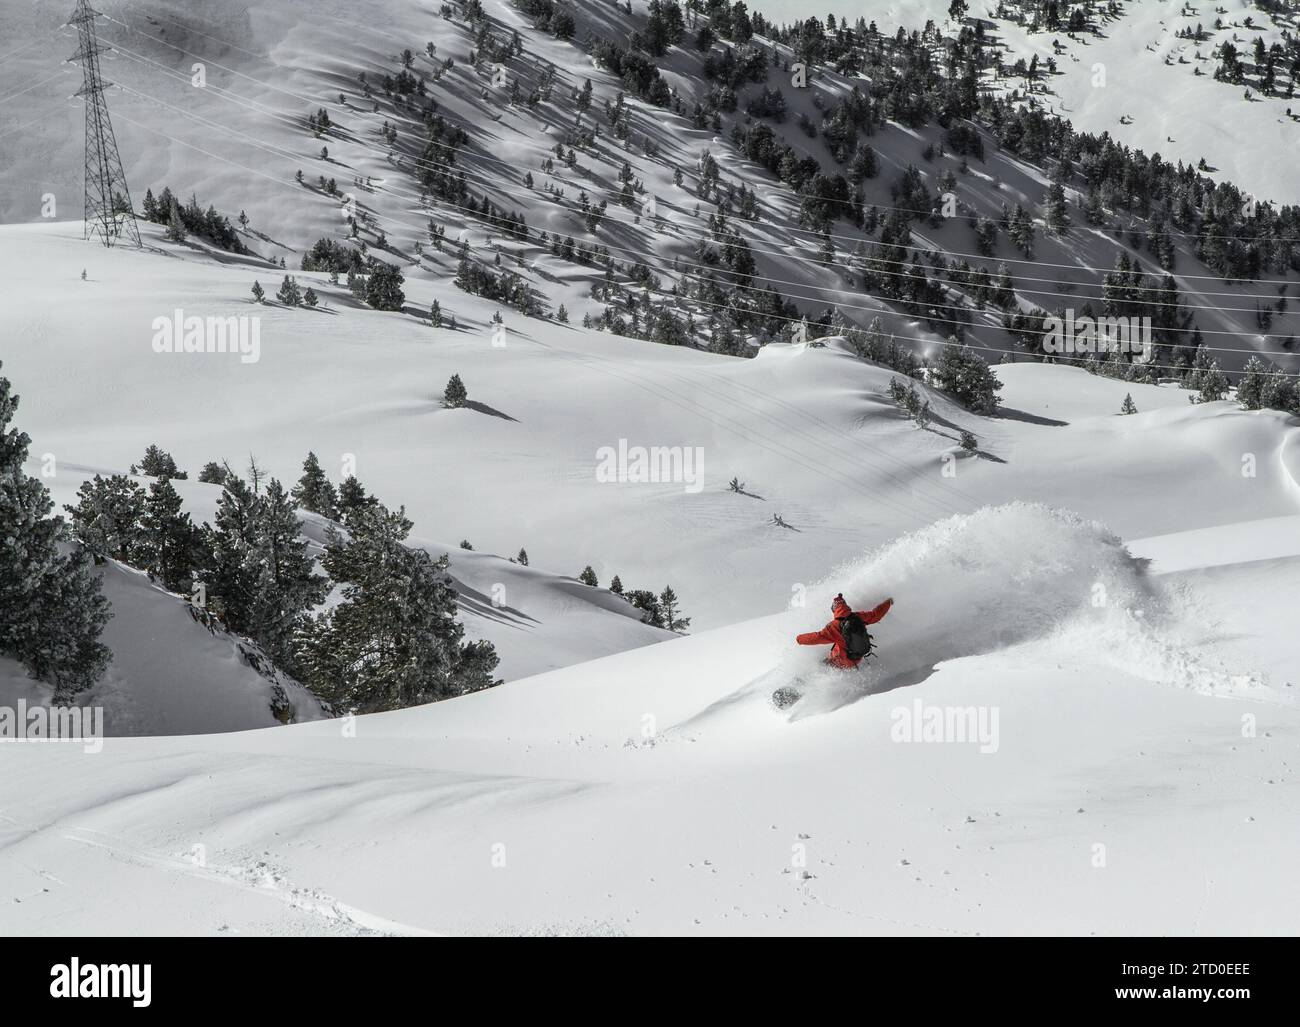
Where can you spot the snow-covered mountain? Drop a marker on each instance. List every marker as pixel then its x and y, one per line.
pixel 1081 718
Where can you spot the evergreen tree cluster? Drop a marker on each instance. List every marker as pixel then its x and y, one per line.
pixel 392 641
pixel 52 608
pixel 191 218
pixel 661 611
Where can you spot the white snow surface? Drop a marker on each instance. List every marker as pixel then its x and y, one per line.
pixel 1117 591
pixel 659 790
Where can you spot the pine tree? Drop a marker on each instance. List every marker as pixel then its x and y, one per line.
pixel 1022 232
pixel 435 314
pixel 924 416
pixel 964 374
pixel 158 463
pixel 309 298
pixel 171 544
pixel 1213 383
pixel 616 586
pixel 285 587
pixel 522 558
pixel 393 640
pixel 229 573
pixel 648 603
pixel 968 442
pixel 314 492
pixel 1129 406
pixel 289 294
pixel 353 499
pixel 52 609
pixel 1054 210
pixel 455 395
pixel 213 473
pixel 384 286
pixel 588 577
pixel 1250 389
pixel 259 294
pixel 175 225
pixel 669 611
pixel 106 519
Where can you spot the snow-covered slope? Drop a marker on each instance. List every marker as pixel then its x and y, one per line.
pixel 1082 718
pixel 809 430
pixel 172 675
pixel 660 792
pixel 240 140
pixel 1149 96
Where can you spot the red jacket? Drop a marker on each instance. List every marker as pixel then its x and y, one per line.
pixel 830 635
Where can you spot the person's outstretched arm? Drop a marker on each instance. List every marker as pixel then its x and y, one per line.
pixel 815 638
pixel 876 613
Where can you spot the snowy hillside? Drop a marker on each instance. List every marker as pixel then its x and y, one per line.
pixel 241 141
pixel 659 792
pixel 593 349
pixel 810 431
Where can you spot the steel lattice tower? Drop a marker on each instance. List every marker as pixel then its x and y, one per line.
pixel 108 202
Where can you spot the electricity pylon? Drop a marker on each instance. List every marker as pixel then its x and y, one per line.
pixel 108 202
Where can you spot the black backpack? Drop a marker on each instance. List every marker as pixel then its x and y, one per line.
pixel 857 639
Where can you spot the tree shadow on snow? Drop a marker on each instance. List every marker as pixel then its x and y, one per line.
pixel 483 408
pixel 1011 414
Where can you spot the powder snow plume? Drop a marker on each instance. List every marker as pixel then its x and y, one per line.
pixel 984 581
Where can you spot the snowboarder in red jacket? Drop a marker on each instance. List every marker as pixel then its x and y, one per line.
pixel 833 635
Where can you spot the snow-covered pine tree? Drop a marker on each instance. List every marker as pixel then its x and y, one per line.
pixel 52 609
pixel 106 519
pixel 285 587
pixel 353 498
pixel 171 544
pixel 1129 406
pixel 1213 382
pixel 314 492
pixel 522 558
pixel 393 641
pixel 1250 389
pixel 229 573
pixel 158 463
pixel 588 577
pixel 455 394
pixel 616 585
